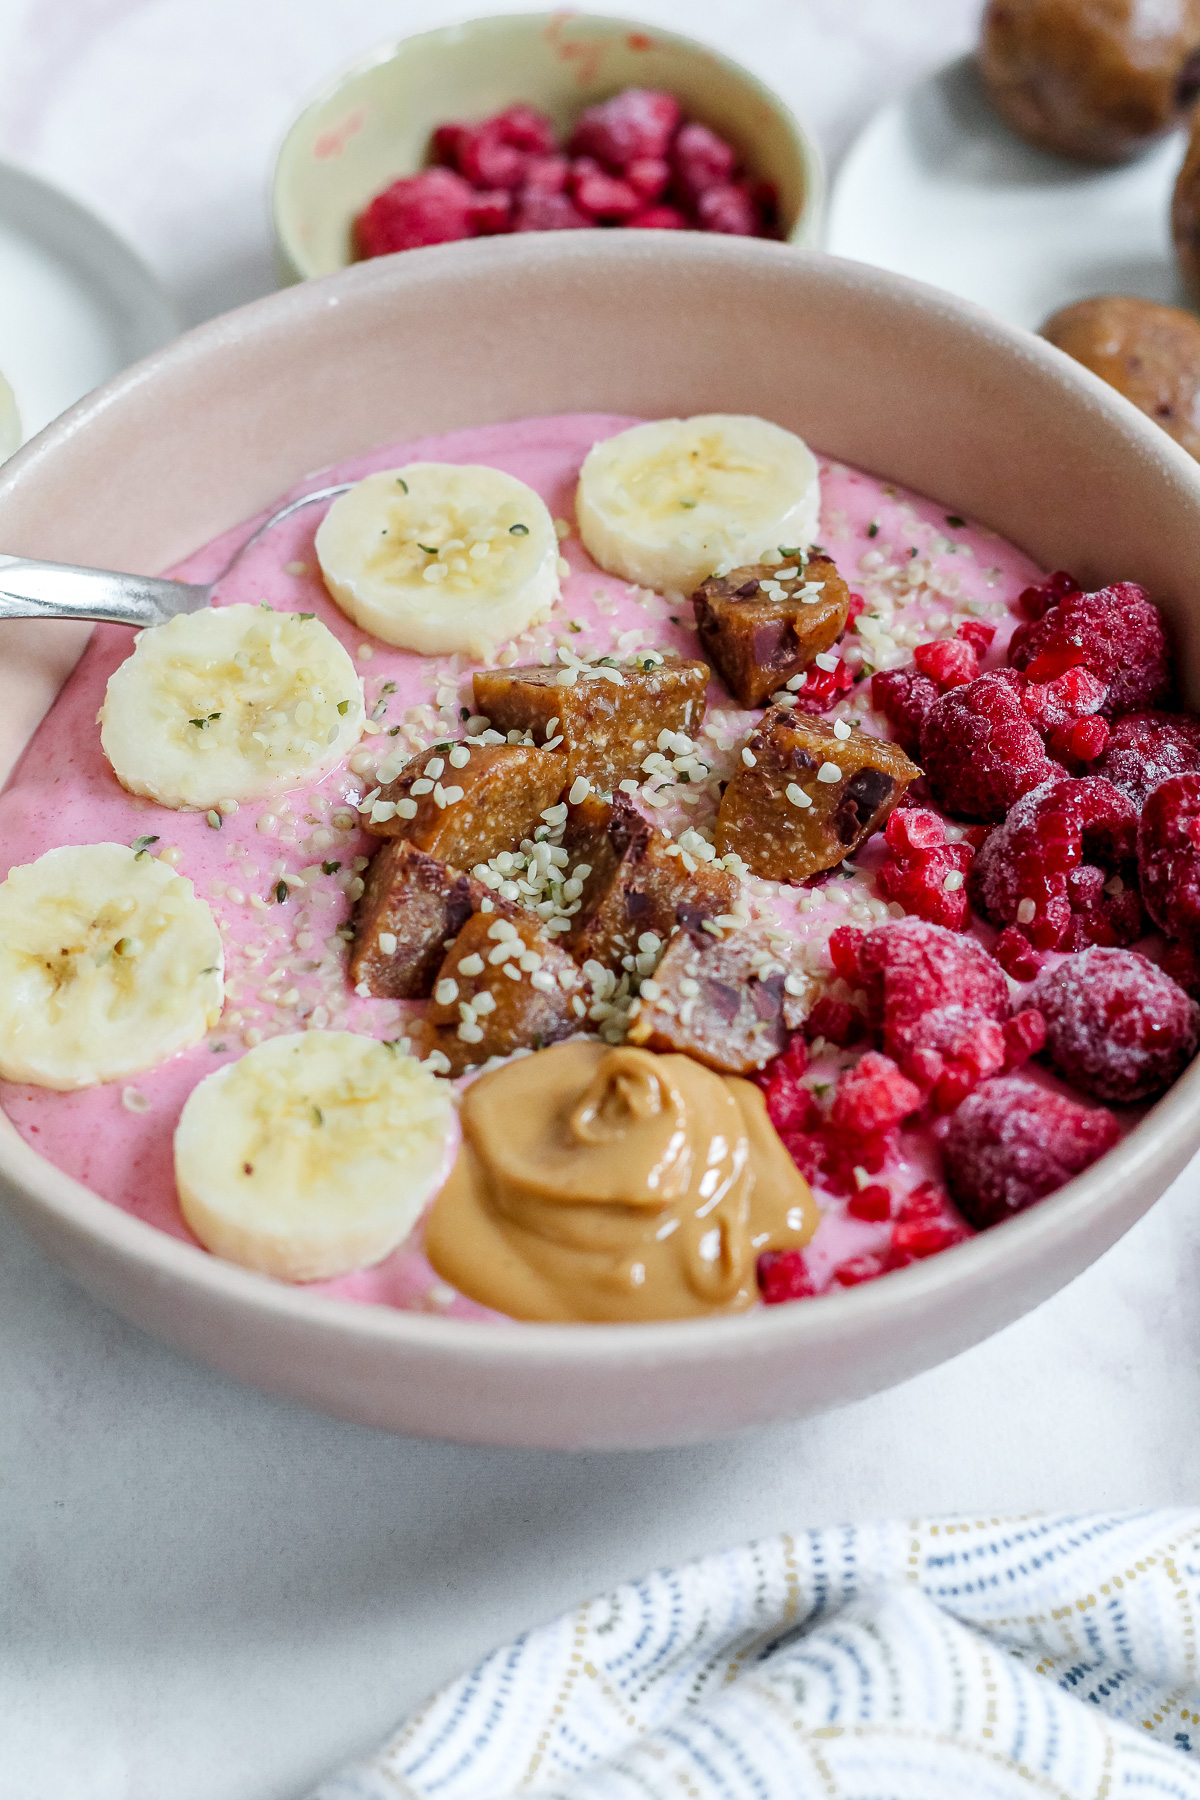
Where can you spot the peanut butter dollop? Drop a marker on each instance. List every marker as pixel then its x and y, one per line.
pixel 614 1185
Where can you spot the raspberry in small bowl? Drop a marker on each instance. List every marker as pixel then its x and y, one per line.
pixel 550 121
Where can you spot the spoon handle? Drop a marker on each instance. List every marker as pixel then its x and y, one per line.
pixel 46 590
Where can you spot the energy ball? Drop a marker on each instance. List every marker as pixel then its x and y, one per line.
pixel 1149 353
pixel 1095 80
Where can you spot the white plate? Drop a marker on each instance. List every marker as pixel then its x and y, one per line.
pixel 938 188
pixel 76 304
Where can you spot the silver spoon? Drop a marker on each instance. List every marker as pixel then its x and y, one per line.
pixel 45 590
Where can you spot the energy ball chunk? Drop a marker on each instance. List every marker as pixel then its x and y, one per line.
pixel 762 625
pixel 1149 353
pixel 808 797
pixel 1116 1026
pixel 504 986
pixel 1168 849
pixel 609 716
pixel 640 886
pixel 411 906
pixel 719 1000
pixel 466 814
pixel 1097 80
pixel 1010 1144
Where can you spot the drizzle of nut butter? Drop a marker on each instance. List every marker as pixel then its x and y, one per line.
pixel 614 1185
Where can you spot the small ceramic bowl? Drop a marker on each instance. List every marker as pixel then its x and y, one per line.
pixel 373 122
pixel 873 370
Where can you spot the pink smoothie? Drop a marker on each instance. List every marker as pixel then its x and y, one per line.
pixel 920 574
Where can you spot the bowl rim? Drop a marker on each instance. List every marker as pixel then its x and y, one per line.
pixel 810 221
pixel 827 1319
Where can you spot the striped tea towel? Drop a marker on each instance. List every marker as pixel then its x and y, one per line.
pixel 930 1660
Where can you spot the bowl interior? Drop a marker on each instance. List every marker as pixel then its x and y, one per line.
pixel 898 379
pixel 373 124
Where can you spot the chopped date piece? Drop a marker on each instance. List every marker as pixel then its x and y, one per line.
pixel 1116 1026
pixel 643 887
pixel 717 1000
pixel 760 631
pixel 1168 849
pixel 1010 1144
pixel 1061 869
pixel 1117 633
pixel 810 797
pixel 411 905
pixel 514 993
pixel 608 726
pixel 979 750
pixel 1146 748
pixel 468 815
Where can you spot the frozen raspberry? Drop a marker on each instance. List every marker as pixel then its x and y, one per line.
pixel 491 212
pixel 1049 869
pixel 729 210
pixel 783 1275
pixel 823 686
pixel 873 1097
pixel 979 750
pixel 863 1268
pixel 951 662
pixel 701 160
pixel 658 218
pixel 1180 960
pixel 925 873
pixel 836 1021
pixel 648 177
pixel 790 1105
pixel 604 196
pixel 446 141
pixel 537 211
pixel 1011 1143
pixel 1036 601
pixel 433 207
pixel 526 129
pixel 547 173
pixel 1144 748
pixel 872 1203
pixel 487 160
pixel 630 127
pixel 904 696
pixel 1168 849
pixel 925 1224
pixel 1116 1026
pixel 1024 1035
pixel 937 999
pixel 977 634
pixel 1116 633
pixel 1016 955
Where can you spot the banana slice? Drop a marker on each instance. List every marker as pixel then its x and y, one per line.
pixel 109 963
pixel 665 504
pixel 438 557
pixel 313 1155
pixel 230 703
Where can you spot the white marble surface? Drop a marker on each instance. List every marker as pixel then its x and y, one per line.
pixel 209 1595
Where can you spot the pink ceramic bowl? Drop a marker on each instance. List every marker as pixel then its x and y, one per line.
pixel 897 378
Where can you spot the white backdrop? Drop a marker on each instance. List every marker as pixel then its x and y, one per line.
pixel 209 1595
